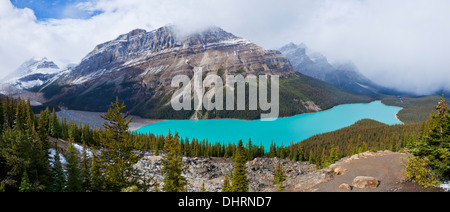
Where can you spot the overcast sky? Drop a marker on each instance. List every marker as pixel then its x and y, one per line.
pixel 402 44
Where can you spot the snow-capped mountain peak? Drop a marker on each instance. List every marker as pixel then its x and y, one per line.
pixel 32 73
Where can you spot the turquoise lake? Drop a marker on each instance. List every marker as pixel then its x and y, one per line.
pixel 283 130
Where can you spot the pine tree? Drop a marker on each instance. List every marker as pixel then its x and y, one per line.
pixel 96 177
pixel 226 187
pixel 73 170
pixel 434 143
pixel 85 170
pixel 43 125
pixel 64 129
pixel 16 152
pixel 279 177
pixel 173 166
pixel 239 181
pixel 116 124
pixel 59 175
pixel 25 185
pixel 40 169
pixel 9 112
pixel 2 116
pixel 203 187
pixel 118 158
pixel 55 129
pixel 250 155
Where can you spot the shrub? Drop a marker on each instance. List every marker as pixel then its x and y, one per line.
pixel 418 170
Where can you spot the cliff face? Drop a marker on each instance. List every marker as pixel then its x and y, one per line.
pixel 161 54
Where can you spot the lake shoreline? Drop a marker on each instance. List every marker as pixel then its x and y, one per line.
pixel 154 121
pixel 94 120
pixel 287 129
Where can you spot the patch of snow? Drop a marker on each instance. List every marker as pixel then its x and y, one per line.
pixel 90 76
pixel 363 86
pixel 80 150
pixel 35 103
pixel 154 70
pixel 52 154
pixel 29 84
pixel 445 186
pixel 230 42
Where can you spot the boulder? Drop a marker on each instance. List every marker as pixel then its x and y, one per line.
pixel 345 186
pixel 365 182
pixel 339 170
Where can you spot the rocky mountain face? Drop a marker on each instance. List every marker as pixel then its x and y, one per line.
pixel 139 66
pixel 307 62
pixel 343 75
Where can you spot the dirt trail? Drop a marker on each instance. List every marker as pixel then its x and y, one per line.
pixel 385 166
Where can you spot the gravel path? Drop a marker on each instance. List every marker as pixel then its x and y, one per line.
pixel 385 166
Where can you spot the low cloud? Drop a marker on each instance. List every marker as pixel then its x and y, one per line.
pixel 401 44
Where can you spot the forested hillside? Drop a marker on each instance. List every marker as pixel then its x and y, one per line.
pixel 415 110
pixel 365 135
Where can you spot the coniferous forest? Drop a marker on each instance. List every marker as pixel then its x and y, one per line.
pixel 30 161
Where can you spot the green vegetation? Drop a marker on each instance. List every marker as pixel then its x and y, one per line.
pixel 172 166
pixel 419 170
pixel 432 148
pixel 323 94
pixel 239 181
pixel 226 187
pixel 24 148
pixel 25 164
pixel 117 158
pixel 365 135
pixel 279 177
pixel 415 110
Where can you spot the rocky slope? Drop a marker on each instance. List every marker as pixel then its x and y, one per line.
pixel 139 66
pixel 301 176
pixel 212 171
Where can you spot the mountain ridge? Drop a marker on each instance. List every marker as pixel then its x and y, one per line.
pixel 344 75
pixel 139 66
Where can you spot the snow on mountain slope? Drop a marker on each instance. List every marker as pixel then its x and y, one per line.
pixel 32 73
